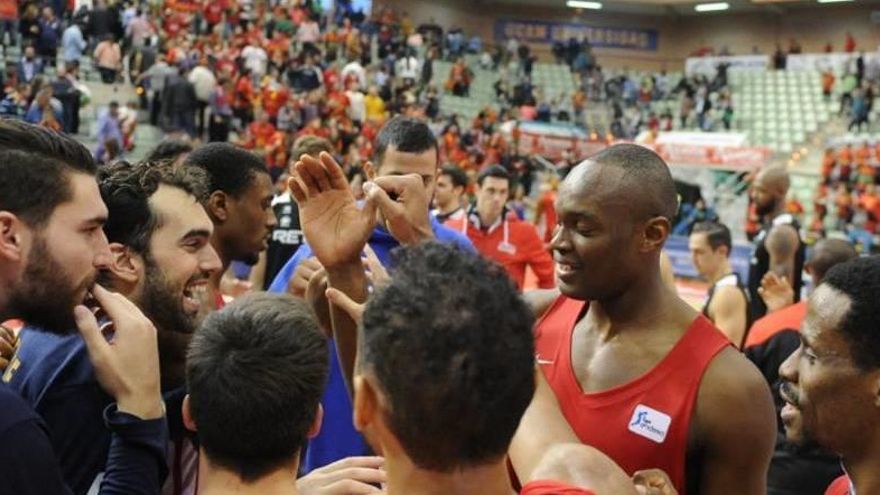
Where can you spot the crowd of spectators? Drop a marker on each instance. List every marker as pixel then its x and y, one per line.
pixel 847 200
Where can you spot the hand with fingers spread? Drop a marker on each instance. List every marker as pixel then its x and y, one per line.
pixel 127 367
pixel 7 347
pixel 333 224
pixel 349 476
pixel 653 482
pixel 776 291
pixel 406 217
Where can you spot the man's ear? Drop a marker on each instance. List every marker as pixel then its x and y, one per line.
pixel 655 234
pixel 316 424
pixel 124 264
pixel 218 206
pixel 366 403
pixel 12 231
pixel 188 422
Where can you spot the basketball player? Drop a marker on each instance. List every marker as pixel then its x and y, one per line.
pixel 727 304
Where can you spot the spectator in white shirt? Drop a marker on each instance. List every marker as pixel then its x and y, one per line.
pixel 204 82
pixel 255 59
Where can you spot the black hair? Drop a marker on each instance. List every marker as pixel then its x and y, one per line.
pixel 647 175
pixel 859 280
pixel 35 166
pixel 456 175
pixel 496 171
pixel 255 373
pixel 169 149
pixel 457 325
pixel 716 233
pixel 407 134
pixel 230 169
pixel 310 145
pixel 126 190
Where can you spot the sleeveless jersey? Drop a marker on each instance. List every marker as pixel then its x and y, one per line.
pixel 840 486
pixel 731 280
pixel 642 424
pixel 760 264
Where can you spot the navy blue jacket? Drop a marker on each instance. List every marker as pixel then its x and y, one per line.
pixel 89 436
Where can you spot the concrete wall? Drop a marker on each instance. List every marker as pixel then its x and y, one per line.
pixel 678 35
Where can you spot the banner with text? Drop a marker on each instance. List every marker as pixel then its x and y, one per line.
pixel 837 62
pixel 708 65
pixel 599 37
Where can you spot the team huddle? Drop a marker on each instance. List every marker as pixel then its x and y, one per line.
pixel 393 354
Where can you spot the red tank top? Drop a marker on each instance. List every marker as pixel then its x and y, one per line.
pixel 840 486
pixel 642 424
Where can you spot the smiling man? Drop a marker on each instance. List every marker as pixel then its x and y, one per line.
pixel 160 259
pixel 831 384
pixel 239 203
pixel 639 374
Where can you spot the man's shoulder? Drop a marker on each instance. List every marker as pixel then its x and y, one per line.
pixel 448 235
pixel 44 361
pixel 15 409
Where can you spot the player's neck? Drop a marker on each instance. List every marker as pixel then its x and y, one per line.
pixel 864 472
pixel 647 304
pixel 214 480
pixel 405 478
pixel 720 272
pixel 448 208
pixel 778 210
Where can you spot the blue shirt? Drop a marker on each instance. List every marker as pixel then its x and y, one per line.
pixel 338 438
pixel 72 44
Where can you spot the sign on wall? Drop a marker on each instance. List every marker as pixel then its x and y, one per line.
pixel 599 37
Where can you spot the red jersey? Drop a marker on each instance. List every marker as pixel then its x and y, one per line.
pixel 549 487
pixel 512 243
pixel 642 424
pixel 213 12
pixel 840 486
pixel 788 318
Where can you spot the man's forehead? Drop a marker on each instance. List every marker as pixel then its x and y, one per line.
pixel 826 310
pixel 85 201
pixel 405 162
pixel 179 211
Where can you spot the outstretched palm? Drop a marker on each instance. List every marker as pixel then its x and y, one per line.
pixel 335 228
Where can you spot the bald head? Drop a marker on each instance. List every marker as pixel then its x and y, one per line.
pixel 827 253
pixel 774 179
pixel 640 179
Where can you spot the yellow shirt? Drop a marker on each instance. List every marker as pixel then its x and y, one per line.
pixel 375 107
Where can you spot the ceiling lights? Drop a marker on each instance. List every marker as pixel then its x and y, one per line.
pixel 582 4
pixel 711 7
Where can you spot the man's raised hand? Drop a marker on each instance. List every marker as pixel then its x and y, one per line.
pixel 334 226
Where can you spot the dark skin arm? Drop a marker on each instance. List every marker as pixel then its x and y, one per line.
pixel 734 426
pixel 539 300
pixel 782 245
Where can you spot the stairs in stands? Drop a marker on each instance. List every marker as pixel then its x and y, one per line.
pixel 146 136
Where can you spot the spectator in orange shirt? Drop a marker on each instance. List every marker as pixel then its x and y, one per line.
pixel 829 160
pixel 501 236
pixel 273 96
pixel 863 154
pixel 259 133
pixel 243 97
pixel 827 84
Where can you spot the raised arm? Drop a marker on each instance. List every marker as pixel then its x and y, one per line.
pixel 782 245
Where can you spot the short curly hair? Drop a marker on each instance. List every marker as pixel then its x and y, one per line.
pixel 126 189
pixel 449 340
pixel 859 280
